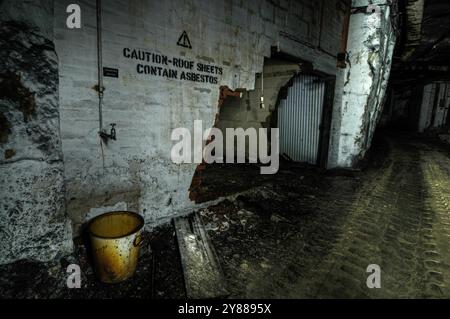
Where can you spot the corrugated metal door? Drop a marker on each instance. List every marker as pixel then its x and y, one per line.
pixel 299 119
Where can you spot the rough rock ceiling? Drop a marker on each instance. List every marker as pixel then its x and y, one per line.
pixel 424 52
pixel 434 47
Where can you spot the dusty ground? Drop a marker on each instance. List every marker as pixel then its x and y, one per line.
pixel 303 233
pixel 158 274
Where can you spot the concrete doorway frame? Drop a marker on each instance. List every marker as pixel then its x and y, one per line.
pixel 328 102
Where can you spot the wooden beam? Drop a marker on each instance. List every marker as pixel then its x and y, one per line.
pixel 203 276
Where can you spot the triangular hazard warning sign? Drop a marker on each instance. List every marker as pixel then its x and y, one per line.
pixel 183 41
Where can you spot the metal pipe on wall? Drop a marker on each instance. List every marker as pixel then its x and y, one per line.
pixel 100 88
pixel 100 65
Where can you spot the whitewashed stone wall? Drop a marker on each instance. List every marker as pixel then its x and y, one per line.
pixel 136 169
pixel 426 107
pixel 436 97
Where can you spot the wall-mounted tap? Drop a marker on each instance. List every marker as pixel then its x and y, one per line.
pixel 113 131
pixel 112 134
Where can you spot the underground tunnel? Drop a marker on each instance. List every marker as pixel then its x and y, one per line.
pixel 192 149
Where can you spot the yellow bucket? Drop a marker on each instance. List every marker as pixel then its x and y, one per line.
pixel 116 239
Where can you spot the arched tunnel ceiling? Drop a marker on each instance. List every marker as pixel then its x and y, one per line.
pixel 425 52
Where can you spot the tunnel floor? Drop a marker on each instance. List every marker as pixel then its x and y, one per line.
pixel 313 236
pixel 303 233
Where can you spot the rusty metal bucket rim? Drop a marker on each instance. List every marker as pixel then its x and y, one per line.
pixel 133 231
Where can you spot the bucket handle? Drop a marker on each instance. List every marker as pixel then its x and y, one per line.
pixel 138 241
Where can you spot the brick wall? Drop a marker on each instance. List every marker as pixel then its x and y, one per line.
pixel 85 177
pixel 136 171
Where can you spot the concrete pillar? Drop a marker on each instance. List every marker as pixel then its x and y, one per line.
pixel 363 83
